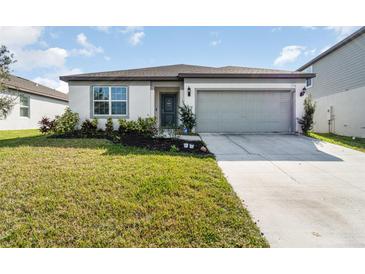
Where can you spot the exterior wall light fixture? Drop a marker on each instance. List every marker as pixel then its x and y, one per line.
pixel 303 92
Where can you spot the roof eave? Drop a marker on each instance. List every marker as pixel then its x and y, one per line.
pixel 118 78
pixel 190 75
pixel 35 93
pixel 249 75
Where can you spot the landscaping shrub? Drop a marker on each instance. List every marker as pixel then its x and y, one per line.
pixel 187 117
pixel 109 127
pixel 67 122
pixel 46 125
pixel 142 127
pixel 89 128
pixel 174 148
pixel 306 121
pixel 148 126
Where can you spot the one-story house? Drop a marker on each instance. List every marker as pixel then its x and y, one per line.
pixel 339 87
pixel 224 99
pixel 32 102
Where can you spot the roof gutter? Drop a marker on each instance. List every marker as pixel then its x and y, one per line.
pixel 189 75
pixel 117 78
pixel 249 75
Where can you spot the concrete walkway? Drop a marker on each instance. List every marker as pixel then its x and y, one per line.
pixel 302 192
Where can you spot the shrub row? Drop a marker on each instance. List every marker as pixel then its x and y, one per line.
pixel 142 127
pixel 67 125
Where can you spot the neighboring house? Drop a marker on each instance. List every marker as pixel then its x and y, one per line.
pixel 339 87
pixel 224 99
pixel 33 101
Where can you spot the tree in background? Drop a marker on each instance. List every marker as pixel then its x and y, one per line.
pixel 7 98
pixel 306 121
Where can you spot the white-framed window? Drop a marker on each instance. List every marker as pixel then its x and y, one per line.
pixel 309 81
pixel 24 102
pixel 110 100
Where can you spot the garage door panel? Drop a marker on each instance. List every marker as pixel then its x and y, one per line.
pixel 244 111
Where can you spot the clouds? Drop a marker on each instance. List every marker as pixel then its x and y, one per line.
pixel 135 35
pixel 34 55
pixel 215 43
pixel 18 37
pixel 105 29
pixel 88 49
pixel 289 54
pixel 31 59
pixel 136 38
pixel 52 79
pixel 275 29
pixel 216 40
pixel 342 32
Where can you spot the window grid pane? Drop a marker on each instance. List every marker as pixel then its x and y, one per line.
pixel 119 93
pixel 101 93
pixel 110 100
pixel 24 112
pixel 101 108
pixel 119 108
pixel 24 101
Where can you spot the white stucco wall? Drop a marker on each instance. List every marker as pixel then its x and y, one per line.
pixel 248 84
pixel 348 113
pixel 140 99
pixel 39 106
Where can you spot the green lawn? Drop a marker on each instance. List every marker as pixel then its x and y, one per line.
pixel 358 143
pixel 92 193
pixel 11 134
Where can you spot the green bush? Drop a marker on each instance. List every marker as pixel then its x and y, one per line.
pixel 147 126
pixel 187 117
pixel 46 125
pixel 109 127
pixel 89 128
pixel 174 148
pixel 67 122
pixel 306 121
pixel 144 127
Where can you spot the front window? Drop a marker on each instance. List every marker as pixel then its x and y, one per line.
pixel 110 100
pixel 309 81
pixel 24 106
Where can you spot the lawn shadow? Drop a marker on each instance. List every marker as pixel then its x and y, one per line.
pixel 89 143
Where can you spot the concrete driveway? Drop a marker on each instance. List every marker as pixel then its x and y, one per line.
pixel 302 192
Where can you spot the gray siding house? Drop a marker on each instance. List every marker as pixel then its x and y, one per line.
pixel 339 87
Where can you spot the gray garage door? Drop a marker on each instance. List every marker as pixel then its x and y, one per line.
pixel 244 111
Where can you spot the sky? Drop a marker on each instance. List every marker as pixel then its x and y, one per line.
pixel 45 53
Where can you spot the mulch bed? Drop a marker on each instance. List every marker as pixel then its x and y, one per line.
pixel 164 144
pixel 160 144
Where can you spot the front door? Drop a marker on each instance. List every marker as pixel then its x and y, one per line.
pixel 168 110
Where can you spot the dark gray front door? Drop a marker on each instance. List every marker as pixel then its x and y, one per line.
pixel 168 110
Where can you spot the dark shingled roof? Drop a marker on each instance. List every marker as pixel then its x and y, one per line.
pixel 176 72
pixel 343 42
pixel 21 84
